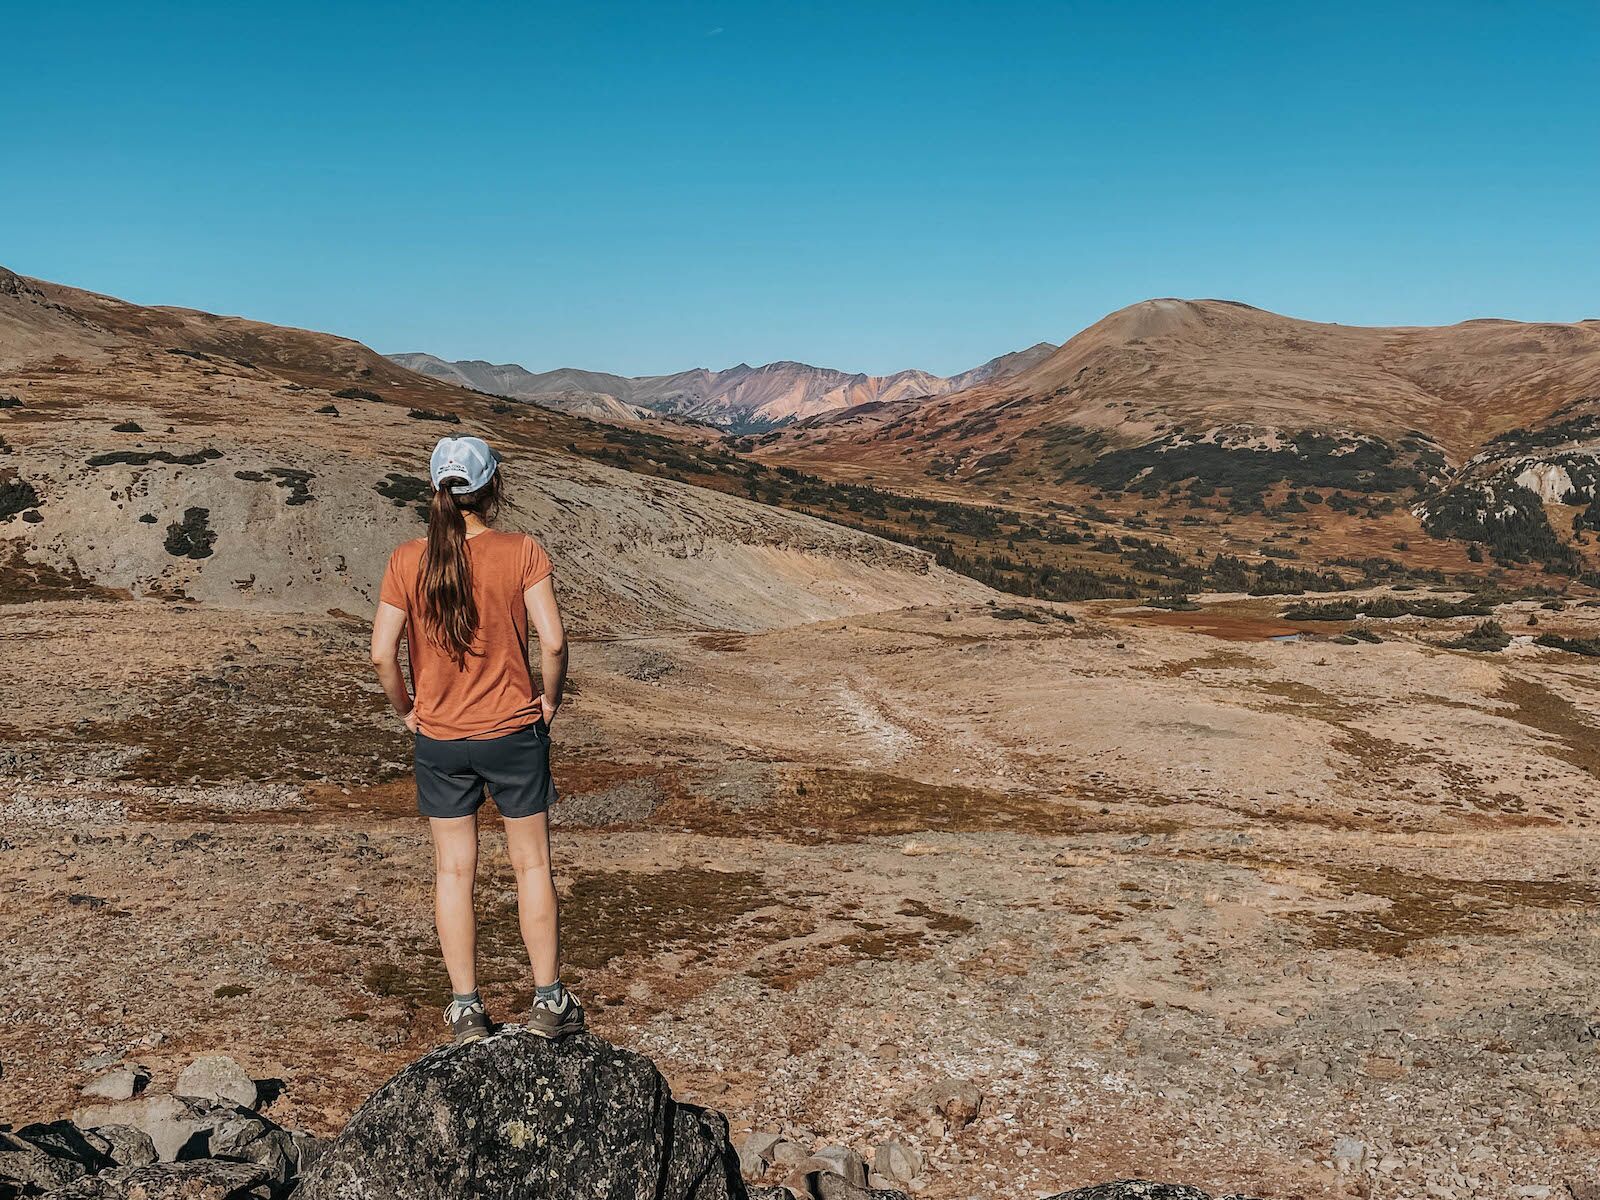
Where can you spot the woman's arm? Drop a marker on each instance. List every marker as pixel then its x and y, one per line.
pixel 544 614
pixel 387 627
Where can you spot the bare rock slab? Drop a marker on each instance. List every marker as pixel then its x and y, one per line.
pixel 520 1118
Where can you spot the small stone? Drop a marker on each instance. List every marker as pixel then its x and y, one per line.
pixel 122 1084
pixel 1349 1154
pixel 217 1077
pixel 1312 1068
pixel 842 1161
pixel 127 1146
pixel 897 1161
pixel 956 1102
pixel 756 1153
pixel 787 1153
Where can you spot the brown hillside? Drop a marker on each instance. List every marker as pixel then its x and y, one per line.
pixel 162 451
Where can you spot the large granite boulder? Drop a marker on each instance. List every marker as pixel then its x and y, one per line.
pixel 517 1117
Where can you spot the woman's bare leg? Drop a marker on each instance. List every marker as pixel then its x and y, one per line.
pixel 528 841
pixel 455 869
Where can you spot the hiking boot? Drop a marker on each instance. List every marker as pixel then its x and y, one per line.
pixel 556 1018
pixel 468 1021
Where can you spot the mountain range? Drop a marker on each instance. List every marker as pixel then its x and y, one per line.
pixel 740 399
pixel 1175 445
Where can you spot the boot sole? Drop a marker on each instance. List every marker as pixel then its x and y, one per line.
pixel 557 1033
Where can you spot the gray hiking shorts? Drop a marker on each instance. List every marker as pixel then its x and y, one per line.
pixel 515 769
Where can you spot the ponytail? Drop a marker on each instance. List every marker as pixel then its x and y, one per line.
pixel 450 613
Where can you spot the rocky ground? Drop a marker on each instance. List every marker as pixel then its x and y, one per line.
pixel 1289 918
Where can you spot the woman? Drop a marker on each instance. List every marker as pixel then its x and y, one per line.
pixel 464 597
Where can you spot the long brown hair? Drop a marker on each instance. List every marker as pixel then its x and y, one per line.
pixel 450 614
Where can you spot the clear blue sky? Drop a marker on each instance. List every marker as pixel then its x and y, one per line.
pixel 649 186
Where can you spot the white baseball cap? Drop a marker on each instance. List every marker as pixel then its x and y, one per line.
pixel 466 458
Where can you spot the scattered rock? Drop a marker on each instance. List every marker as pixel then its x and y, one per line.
pixel 823 1185
pixel 842 1161
pixel 217 1077
pixel 756 1153
pixel 177 1126
pixel 1141 1189
pixel 788 1153
pixel 827 1186
pixel 1349 1154
pixel 122 1084
pixel 516 1116
pixel 207 1179
pixel 956 1102
pixel 829 1160
pixel 898 1162
pixel 126 1146
pixel 242 1136
pixel 44 1157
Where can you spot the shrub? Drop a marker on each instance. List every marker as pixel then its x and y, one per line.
pixel 355 393
pixel 297 481
pixel 1486 637
pixel 1588 647
pixel 404 490
pixel 16 495
pixel 193 536
pixel 1388 607
pixel 427 414
pixel 141 458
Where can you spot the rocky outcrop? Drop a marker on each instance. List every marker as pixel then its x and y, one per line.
pixel 156 1147
pixel 521 1118
pixel 41 1158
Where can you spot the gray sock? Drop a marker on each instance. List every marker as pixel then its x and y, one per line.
pixel 549 993
pixel 466 999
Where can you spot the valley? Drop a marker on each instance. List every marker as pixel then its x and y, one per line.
pixel 1211 783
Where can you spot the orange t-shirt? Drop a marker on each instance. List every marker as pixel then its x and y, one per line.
pixel 493 692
